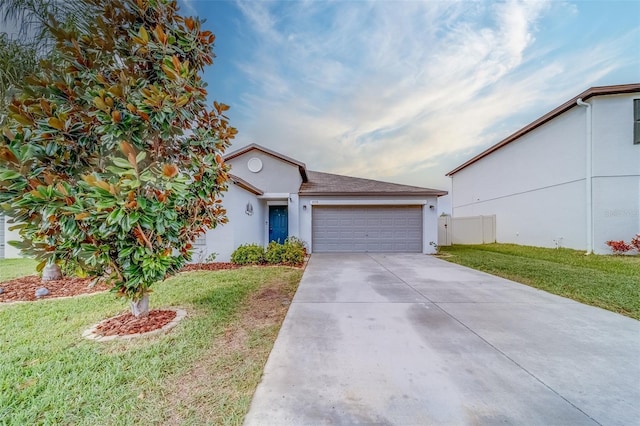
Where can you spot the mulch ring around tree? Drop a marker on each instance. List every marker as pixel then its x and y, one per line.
pixel 127 326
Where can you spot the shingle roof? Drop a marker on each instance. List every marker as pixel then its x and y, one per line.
pixel 329 184
pixel 589 93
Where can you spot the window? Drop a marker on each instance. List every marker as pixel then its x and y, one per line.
pixel 636 121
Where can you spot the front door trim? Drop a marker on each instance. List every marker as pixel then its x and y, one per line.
pixel 278 223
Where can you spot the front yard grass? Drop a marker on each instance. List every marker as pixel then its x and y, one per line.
pixel 609 282
pixel 14 268
pixel 204 371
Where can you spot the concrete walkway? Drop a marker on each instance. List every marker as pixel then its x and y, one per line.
pixel 414 340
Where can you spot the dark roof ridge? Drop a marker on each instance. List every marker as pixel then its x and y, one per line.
pixel 589 93
pixel 322 183
pixel 367 179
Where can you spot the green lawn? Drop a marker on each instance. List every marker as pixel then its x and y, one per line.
pixel 610 282
pixel 204 371
pixel 14 268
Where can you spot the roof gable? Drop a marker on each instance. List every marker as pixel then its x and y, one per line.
pixel 589 93
pixel 302 168
pixel 329 184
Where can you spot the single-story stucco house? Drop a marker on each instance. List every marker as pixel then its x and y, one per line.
pixel 571 178
pixel 272 196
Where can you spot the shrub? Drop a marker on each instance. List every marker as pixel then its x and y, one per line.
pixel 618 247
pixel 293 254
pixel 248 254
pixel 297 242
pixel 635 242
pixel 274 253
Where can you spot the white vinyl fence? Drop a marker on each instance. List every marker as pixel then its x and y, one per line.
pixel 466 230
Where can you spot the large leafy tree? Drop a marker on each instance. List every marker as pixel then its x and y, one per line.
pixel 111 161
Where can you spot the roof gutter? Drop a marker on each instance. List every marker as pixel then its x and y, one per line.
pixel 588 174
pixel 371 194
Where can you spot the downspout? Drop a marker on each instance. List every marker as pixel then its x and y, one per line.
pixel 588 176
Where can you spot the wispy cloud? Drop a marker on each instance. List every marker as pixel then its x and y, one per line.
pixel 187 7
pixel 385 89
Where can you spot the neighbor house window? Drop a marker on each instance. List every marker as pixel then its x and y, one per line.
pixel 636 121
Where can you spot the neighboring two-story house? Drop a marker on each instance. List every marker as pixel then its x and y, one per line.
pixel 571 178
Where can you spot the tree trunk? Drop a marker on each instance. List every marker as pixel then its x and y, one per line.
pixel 51 272
pixel 140 307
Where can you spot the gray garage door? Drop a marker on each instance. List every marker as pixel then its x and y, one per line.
pixel 388 229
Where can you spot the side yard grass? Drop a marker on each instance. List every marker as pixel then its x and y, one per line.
pixel 204 371
pixel 609 282
pixel 14 268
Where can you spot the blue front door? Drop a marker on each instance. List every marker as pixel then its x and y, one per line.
pixel 278 224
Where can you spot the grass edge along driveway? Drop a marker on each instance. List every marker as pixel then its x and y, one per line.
pixel 609 282
pixel 205 370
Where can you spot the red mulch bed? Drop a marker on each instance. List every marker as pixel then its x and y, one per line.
pixel 24 288
pixel 213 266
pixel 126 324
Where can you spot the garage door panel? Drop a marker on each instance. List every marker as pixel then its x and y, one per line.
pixel 367 229
pixel 390 235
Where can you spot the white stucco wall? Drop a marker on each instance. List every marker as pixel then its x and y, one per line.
pixel 294 215
pixel 241 228
pixel 616 210
pixel 430 216
pixel 10 252
pixel 536 185
pixel 616 171
pixel 614 153
pixel 276 176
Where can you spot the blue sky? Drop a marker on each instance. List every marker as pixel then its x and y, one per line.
pixel 404 91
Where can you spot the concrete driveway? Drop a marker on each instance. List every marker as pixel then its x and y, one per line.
pixel 414 340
